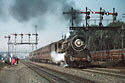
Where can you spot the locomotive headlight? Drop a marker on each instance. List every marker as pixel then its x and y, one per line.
pixel 78 43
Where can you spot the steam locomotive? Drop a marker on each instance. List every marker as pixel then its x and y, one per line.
pixel 72 51
pixel 76 53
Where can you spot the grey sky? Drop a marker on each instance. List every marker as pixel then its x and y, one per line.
pixel 20 16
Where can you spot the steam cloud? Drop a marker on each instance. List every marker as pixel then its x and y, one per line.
pixel 57 57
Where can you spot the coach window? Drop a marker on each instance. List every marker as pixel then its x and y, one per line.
pixel 55 47
pixel 59 45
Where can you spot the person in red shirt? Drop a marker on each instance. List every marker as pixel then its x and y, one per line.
pixel 13 61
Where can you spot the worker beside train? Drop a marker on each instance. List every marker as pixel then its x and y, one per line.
pixel 14 60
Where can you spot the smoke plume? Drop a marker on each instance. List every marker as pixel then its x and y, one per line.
pixel 24 10
pixel 39 11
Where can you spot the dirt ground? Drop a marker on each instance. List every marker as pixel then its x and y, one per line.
pixel 19 74
pixel 2 65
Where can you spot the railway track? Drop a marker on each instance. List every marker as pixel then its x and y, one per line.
pixel 54 76
pixel 105 71
pixel 113 70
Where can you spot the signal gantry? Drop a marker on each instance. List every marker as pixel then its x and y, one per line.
pixel 87 13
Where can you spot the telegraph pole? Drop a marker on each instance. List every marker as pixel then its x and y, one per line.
pixel 8 37
pixel 8 44
pixel 36 35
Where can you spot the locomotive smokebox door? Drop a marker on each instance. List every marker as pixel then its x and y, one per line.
pixel 78 43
